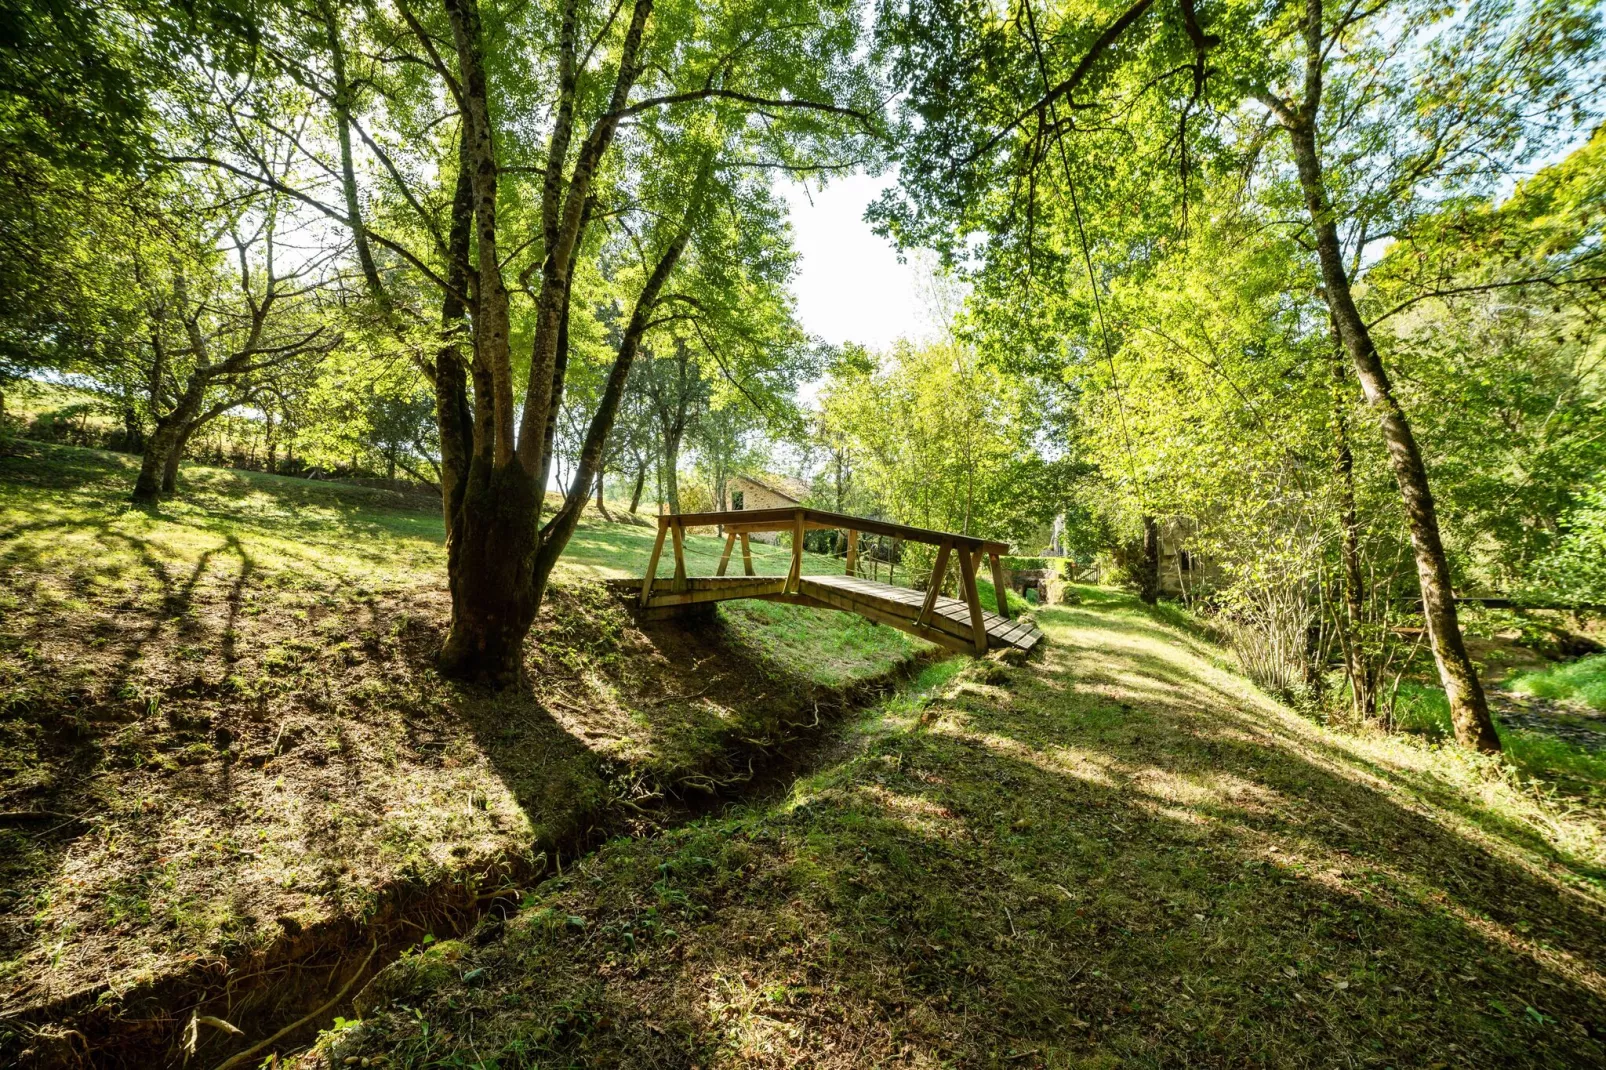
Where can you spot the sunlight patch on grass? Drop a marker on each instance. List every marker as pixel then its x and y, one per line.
pixel 1583 681
pixel 1238 885
pixel 824 645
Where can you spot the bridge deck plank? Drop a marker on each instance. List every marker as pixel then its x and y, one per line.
pixel 950 616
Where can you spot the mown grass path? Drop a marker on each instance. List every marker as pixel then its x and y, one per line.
pixel 1120 854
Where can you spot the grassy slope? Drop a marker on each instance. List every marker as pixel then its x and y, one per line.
pixel 228 704
pixel 1120 854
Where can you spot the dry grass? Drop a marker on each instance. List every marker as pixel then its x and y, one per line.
pixel 1121 854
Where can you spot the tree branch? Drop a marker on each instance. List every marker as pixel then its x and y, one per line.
pixel 1539 280
pixel 745 98
pixel 1100 45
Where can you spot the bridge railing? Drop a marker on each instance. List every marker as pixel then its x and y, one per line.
pixel 966 550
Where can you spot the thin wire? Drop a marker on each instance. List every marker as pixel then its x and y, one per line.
pixel 1076 208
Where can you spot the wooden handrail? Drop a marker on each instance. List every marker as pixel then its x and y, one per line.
pixel 786 519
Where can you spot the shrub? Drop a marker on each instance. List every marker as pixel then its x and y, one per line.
pixel 1025 564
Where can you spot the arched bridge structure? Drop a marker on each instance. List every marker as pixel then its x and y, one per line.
pixel 956 623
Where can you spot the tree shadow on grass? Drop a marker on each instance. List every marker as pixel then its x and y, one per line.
pixel 1201 678
pixel 1053 874
pixel 681 712
pixel 64 728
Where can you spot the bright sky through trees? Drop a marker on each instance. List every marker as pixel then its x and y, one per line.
pixel 850 285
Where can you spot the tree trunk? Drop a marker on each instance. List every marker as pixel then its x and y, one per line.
pixel 171 461
pixel 153 464
pixel 671 475
pixel 491 572
pixel 498 554
pixel 158 468
pixel 1149 568
pixel 601 505
pixel 1359 668
pixel 1469 710
pixel 641 482
pixel 133 433
pixel 454 417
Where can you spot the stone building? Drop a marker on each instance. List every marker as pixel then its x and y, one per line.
pixel 765 492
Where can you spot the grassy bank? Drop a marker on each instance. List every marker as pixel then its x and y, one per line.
pixel 1119 854
pixel 1542 757
pixel 1582 681
pixel 221 732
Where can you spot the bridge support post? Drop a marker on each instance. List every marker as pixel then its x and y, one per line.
pixel 652 561
pixel 679 532
pixel 747 557
pixel 853 552
pixel 939 573
pixel 999 589
pixel 967 575
pixel 796 574
pixel 725 558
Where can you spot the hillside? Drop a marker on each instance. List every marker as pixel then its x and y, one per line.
pixel 235 788
pixel 1119 854
pixel 224 751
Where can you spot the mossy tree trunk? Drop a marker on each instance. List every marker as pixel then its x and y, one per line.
pixel 1469 709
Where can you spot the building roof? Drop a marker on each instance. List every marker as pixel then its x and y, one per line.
pixel 785 486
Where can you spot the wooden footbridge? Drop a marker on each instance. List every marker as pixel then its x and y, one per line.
pixel 956 623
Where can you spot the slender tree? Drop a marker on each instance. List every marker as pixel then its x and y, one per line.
pixel 1398 103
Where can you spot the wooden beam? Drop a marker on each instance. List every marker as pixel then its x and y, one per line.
pixel 797 552
pixel 999 590
pixel 846 604
pixel 760 587
pixel 978 624
pixel 783 518
pixel 678 530
pixel 853 551
pixel 652 562
pixel 939 572
pixel 730 544
pixel 747 556
pixel 875 596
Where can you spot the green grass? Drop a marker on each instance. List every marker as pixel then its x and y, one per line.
pixel 236 692
pixel 1423 709
pixel 1118 854
pixel 833 648
pixel 367 540
pixel 1583 681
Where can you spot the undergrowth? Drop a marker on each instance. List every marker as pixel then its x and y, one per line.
pixel 1583 680
pixel 1423 710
